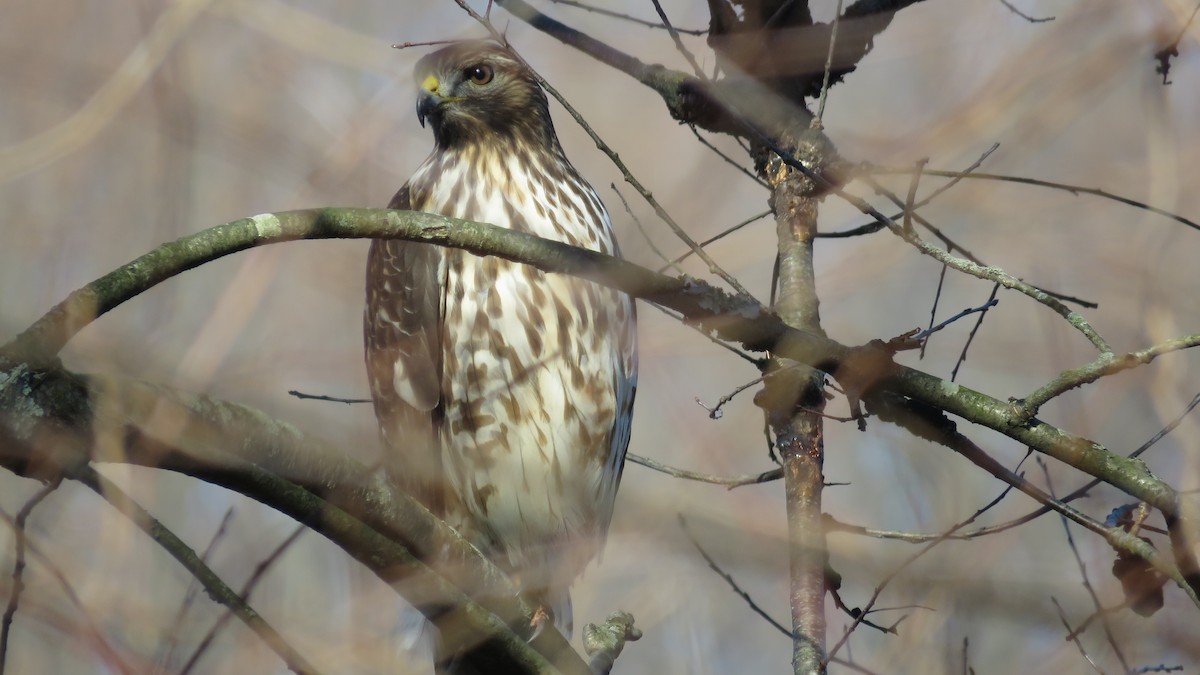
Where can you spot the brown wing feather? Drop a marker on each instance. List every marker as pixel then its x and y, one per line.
pixel 402 331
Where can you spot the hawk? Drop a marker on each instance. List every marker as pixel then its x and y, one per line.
pixel 504 394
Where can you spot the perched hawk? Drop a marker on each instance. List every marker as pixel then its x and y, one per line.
pixel 504 394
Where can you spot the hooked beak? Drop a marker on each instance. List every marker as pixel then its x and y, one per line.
pixel 429 98
pixel 427 102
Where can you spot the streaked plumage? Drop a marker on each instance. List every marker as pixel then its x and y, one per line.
pixel 504 395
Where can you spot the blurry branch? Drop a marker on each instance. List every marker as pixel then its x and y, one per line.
pixel 728 578
pixel 1074 637
pixel 754 606
pixel 92 636
pixel 720 235
pixel 861 370
pixel 309 33
pixel 18 573
pixel 624 17
pixel 106 104
pixel 1087 583
pixel 55 430
pixel 724 157
pixel 728 481
pixel 1073 189
pixel 174 632
pixel 685 95
pixel 213 584
pixel 260 571
pixel 693 100
pixel 883 583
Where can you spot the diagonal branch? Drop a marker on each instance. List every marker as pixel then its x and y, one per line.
pixel 54 432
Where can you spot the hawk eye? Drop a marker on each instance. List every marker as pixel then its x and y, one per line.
pixel 480 73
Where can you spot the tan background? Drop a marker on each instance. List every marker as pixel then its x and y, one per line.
pixel 225 109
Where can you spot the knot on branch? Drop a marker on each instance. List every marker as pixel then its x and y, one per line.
pixel 605 642
pixel 862 369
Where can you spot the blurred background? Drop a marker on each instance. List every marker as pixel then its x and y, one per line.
pixel 124 125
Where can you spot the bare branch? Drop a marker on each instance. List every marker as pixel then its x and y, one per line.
pixel 18 573
pixel 728 481
pixel 1087 583
pixel 1104 365
pixel 732 319
pixel 1073 189
pixel 213 584
pixel 1012 8
pixel 625 17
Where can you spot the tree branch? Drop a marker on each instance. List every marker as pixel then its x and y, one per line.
pixel 29 381
pixel 50 420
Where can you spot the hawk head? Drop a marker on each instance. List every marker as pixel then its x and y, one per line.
pixel 477 91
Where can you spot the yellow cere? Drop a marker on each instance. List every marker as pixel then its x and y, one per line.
pixel 430 84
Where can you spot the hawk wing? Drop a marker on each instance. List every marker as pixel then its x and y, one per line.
pixel 402 329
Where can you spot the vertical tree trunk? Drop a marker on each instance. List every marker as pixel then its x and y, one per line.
pixel 793 399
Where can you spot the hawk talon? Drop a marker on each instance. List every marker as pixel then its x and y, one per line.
pixel 538 622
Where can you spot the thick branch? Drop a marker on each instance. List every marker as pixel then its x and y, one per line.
pixel 739 320
pixel 51 419
pixel 793 401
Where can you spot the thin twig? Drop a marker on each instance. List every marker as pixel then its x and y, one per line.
pixel 909 201
pixel 1062 615
pixel 727 481
pixel 645 234
pixel 974 269
pixel 216 588
pixel 712 565
pixel 1087 583
pixel 720 235
pixel 616 160
pixel 728 160
pixel 909 561
pixel 108 655
pixel 992 302
pixel 962 356
pixel 626 17
pixel 679 46
pixel 920 537
pixel 1012 8
pixel 18 573
pixel 1065 187
pixel 937 299
pixel 260 571
pixel 752 360
pixel 728 578
pixel 189 598
pixel 837 19
pixel 322 397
